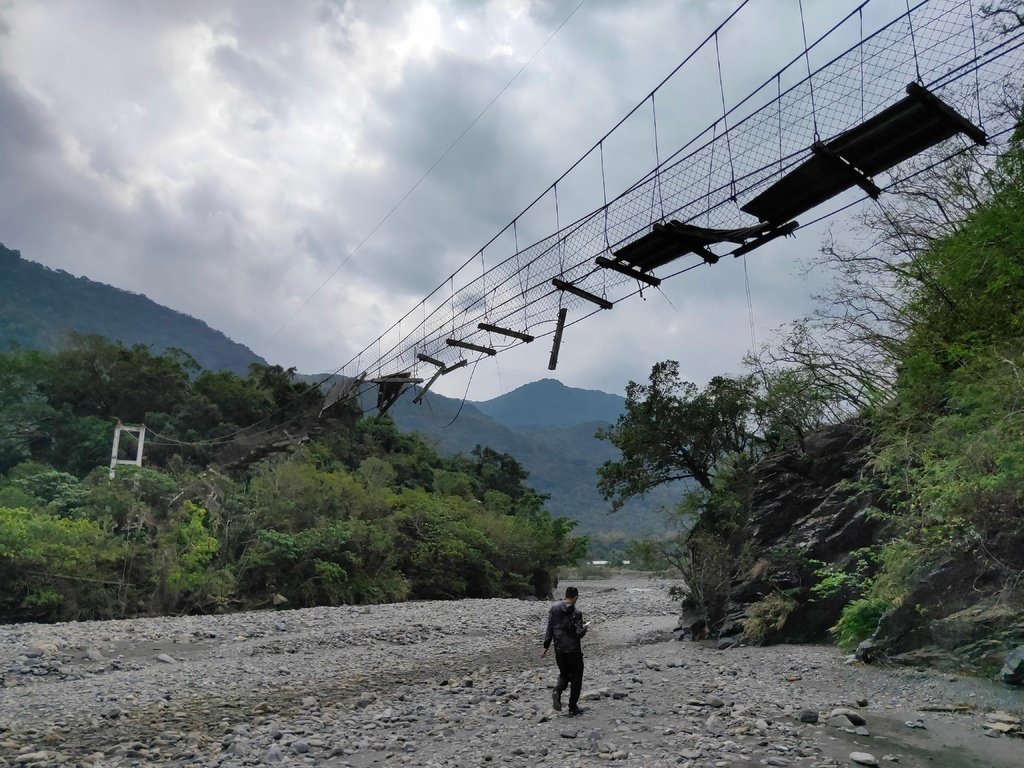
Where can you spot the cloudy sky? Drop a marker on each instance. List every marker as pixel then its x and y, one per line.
pixel 224 158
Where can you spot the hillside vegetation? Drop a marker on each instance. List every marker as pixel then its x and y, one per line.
pixel 40 306
pixel 547 426
pixel 361 514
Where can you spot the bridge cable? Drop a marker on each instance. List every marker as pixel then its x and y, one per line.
pixel 725 121
pixel 810 79
pixel 977 77
pixel 657 160
pixel 913 42
pixel 860 18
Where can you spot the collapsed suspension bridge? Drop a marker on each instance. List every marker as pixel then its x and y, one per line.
pixel 823 132
pixel 804 137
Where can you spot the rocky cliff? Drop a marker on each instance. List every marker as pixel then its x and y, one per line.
pixel 811 510
pixel 815 511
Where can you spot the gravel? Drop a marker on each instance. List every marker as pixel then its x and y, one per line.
pixel 462 683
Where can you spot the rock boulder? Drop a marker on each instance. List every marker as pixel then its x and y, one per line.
pixel 1012 672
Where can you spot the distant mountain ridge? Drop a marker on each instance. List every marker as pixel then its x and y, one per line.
pixel 548 402
pixel 39 305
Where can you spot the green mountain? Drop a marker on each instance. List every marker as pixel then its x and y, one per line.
pixel 549 428
pixel 39 305
pixel 549 402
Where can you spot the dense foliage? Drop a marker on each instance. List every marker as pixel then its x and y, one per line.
pixel 949 445
pixel 361 513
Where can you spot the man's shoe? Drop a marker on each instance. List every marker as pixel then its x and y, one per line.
pixel 556 700
pixel 574 710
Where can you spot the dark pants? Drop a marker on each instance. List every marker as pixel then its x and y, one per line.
pixel 570 674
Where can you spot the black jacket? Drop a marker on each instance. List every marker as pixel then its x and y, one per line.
pixel 565 627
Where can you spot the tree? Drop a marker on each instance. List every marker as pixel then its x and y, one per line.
pixel 54 567
pixel 789 403
pixel 24 411
pixel 100 378
pixel 499 472
pixel 238 401
pixel 672 430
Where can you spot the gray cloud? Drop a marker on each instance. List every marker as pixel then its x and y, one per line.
pixel 226 157
pixel 23 129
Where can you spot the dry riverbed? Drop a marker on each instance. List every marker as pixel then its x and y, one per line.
pixel 462 684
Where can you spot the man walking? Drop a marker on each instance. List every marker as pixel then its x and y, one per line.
pixel 566 627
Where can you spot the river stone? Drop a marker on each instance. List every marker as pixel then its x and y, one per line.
pixel 808 716
pixel 839 721
pixel 869 651
pixel 32 757
pixel 42 648
pixel 852 715
pixel 1012 672
pixel 274 755
pixel 863 758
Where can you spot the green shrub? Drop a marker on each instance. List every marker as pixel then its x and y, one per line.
pixel 55 568
pixel 859 621
pixel 767 615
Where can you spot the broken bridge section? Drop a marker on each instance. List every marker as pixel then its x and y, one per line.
pixel 839 116
pixel 915 124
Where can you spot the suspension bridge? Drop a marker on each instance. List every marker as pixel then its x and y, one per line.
pixel 788 154
pixel 882 85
